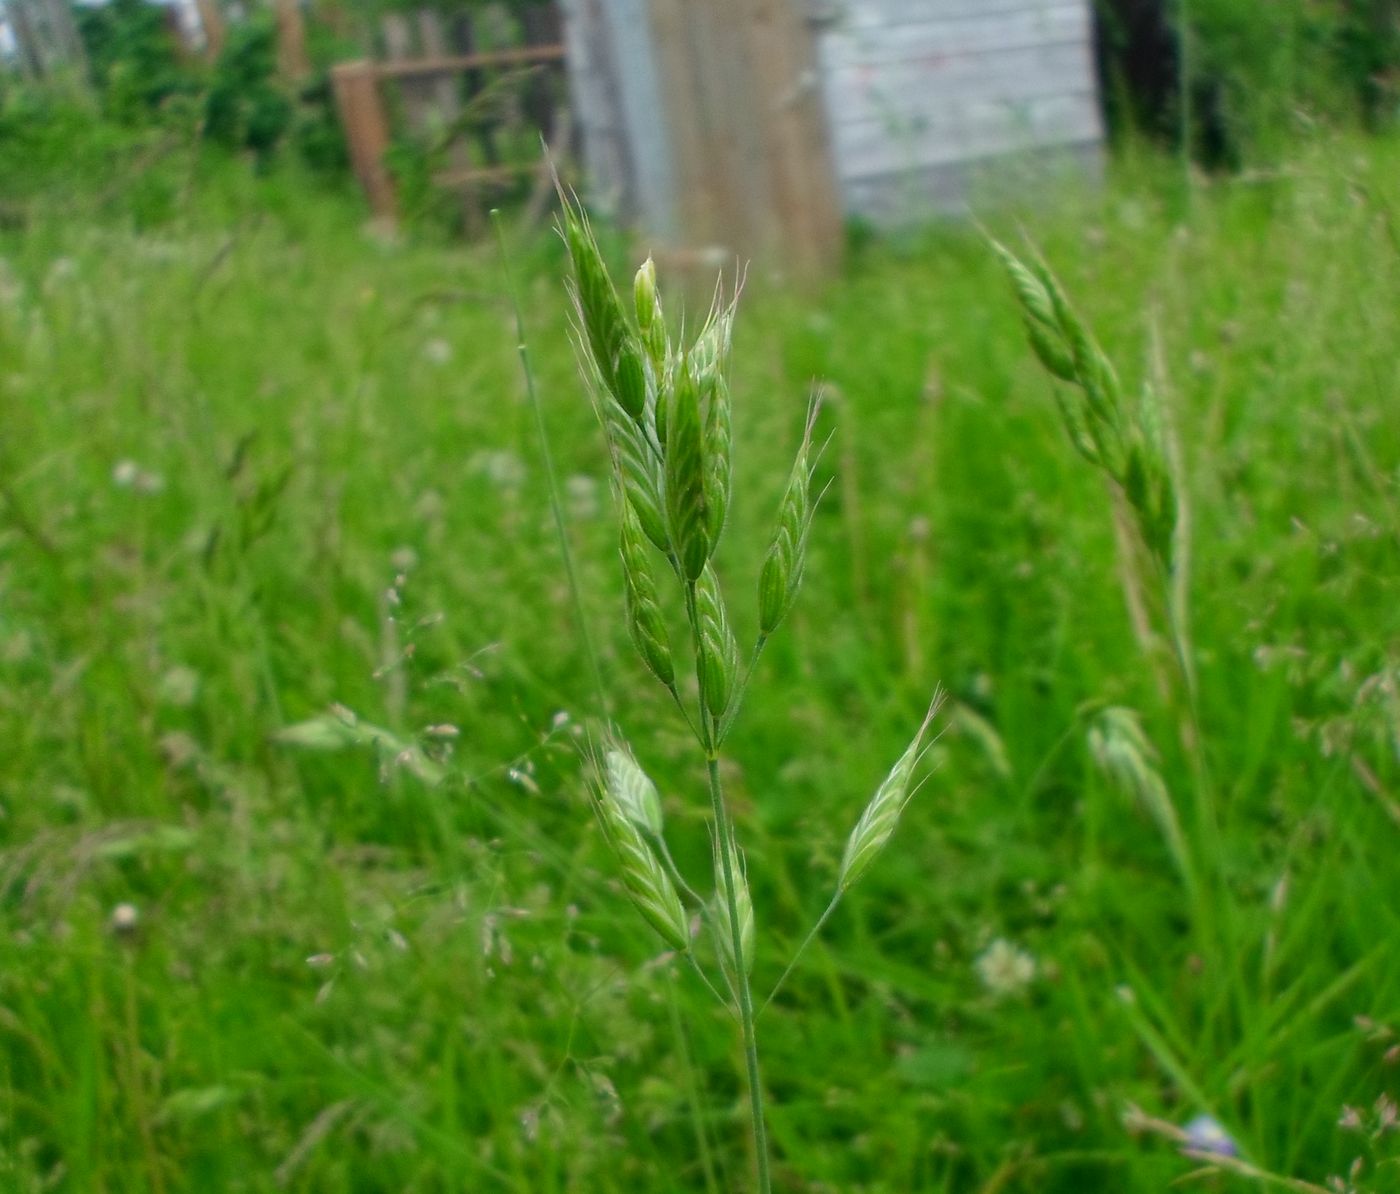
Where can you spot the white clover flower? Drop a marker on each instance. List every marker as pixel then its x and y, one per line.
pixel 1004 968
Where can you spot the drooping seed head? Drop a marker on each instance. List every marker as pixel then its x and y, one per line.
pixel 721 920
pixel 1124 754
pixel 881 816
pixel 643 877
pixel 631 790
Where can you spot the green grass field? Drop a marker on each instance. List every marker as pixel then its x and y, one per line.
pixel 256 464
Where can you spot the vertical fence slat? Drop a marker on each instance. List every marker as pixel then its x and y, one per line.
pixel 357 98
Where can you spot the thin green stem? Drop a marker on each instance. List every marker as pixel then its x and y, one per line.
pixel 705 978
pixel 746 1014
pixel 555 505
pixel 692 1093
pixel 737 699
pixel 659 840
pixel 802 949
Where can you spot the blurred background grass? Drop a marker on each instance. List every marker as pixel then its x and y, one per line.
pixel 256 463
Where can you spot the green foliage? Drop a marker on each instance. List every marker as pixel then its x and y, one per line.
pixel 1256 75
pixel 132 53
pixel 245 108
pixel 223 442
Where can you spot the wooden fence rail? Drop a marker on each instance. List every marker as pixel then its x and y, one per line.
pixel 359 96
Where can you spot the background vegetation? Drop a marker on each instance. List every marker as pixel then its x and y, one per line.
pixel 258 466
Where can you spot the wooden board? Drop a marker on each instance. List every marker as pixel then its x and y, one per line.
pixel 915 89
pixel 1051 23
pixel 908 93
pixel 969 130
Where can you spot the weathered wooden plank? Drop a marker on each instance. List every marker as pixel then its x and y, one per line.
pixel 909 91
pixel 974 129
pixel 652 196
pixel 357 99
pixel 865 14
pixel 797 153
pixel 906 196
pixel 1057 22
pixel 401 66
pixel 593 91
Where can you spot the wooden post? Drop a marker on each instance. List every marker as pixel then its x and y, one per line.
pixel 211 19
pixel 292 63
pixel 357 99
pixel 31 61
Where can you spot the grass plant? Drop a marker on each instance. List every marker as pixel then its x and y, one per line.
pixel 296 892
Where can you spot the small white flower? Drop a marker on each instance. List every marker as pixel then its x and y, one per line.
pixel 124 919
pixel 504 469
pixel 1004 968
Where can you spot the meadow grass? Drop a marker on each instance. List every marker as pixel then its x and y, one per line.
pixel 259 470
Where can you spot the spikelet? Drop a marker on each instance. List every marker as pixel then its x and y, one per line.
pixel 1129 445
pixel 650 321
pixel 783 566
pixel 687 510
pixel 631 789
pixel 721 922
pixel 719 435
pixel 614 348
pixel 716 649
pixel 881 816
pixel 645 621
pixel 1121 749
pixel 1041 328
pixel 645 880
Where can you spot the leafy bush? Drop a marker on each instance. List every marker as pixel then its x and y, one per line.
pixel 1254 72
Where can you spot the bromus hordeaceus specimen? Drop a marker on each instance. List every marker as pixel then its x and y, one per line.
pixel 1131 445
pixel 665 409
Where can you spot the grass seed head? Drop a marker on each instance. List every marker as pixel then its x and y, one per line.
pixel 612 344
pixel 631 790
pixel 645 621
pixel 783 566
pixel 687 507
pixel 716 647
pixel 644 878
pixel 743 903
pixel 881 816
pixel 1123 753
pixel 650 320
pixel 719 436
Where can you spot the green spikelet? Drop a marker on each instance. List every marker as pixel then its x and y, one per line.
pixel 783 566
pixel 881 816
pixel 644 878
pixel 645 621
pixel 650 320
pixel 719 433
pixel 1038 312
pixel 614 348
pixel 631 789
pixel 717 651
pixel 721 920
pixel 687 510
